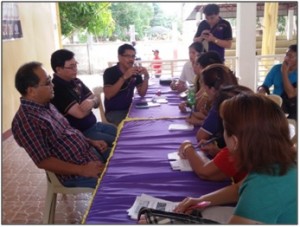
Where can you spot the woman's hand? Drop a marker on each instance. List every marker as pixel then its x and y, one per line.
pixel 182 106
pixel 182 148
pixel 142 220
pixel 211 148
pixel 183 206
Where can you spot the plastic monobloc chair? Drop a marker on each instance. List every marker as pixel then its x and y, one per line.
pixel 53 188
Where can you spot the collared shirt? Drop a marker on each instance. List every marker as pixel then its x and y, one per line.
pixel 222 30
pixel 274 78
pixel 43 132
pixel 123 99
pixel 67 94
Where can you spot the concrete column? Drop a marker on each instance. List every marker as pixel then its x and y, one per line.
pixel 246 43
pixel 290 24
pixel 270 28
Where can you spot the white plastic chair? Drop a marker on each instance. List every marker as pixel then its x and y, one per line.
pixel 276 98
pixel 293 130
pixel 53 188
pixel 98 91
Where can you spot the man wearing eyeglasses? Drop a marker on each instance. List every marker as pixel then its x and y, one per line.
pixel 119 84
pixel 75 101
pixel 47 136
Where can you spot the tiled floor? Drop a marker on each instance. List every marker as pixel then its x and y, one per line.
pixel 24 189
pixel 24 185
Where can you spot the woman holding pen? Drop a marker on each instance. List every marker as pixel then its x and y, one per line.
pixel 256 132
pixel 257 135
pixel 222 166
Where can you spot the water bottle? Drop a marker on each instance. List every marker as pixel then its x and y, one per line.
pixel 191 98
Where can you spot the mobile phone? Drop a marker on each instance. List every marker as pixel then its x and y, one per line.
pixel 142 104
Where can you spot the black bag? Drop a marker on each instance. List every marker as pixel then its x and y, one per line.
pixel 162 217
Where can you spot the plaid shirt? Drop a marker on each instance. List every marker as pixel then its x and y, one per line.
pixel 43 132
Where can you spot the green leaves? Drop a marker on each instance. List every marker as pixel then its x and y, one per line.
pixel 93 17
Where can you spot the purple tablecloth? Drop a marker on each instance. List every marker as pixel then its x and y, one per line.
pixel 139 165
pixel 167 110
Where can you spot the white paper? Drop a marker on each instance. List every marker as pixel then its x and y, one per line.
pixel 219 214
pixel 150 202
pixel 173 156
pixel 181 164
pixel 181 127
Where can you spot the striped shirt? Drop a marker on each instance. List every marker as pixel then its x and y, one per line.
pixel 43 132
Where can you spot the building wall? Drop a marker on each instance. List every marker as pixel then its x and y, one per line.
pixel 40 39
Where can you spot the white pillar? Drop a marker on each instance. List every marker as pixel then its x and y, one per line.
pixel 246 43
pixel 290 24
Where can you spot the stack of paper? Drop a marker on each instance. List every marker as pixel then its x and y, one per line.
pixel 181 127
pixel 150 202
pixel 179 164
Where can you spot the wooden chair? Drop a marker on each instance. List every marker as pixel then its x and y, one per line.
pixel 53 188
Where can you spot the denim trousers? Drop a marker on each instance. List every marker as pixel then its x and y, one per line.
pixel 102 131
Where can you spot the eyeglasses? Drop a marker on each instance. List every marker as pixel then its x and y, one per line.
pixel 71 67
pixel 48 83
pixel 128 56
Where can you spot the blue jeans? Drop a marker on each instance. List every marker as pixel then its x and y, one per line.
pixel 102 131
pixel 87 182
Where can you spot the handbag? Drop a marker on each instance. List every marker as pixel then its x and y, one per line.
pixel 154 216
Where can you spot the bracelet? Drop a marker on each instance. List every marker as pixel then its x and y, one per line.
pixel 186 147
pixel 216 41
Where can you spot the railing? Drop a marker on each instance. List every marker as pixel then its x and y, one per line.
pixel 173 68
pixel 263 64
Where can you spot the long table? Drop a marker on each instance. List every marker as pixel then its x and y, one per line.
pixel 139 165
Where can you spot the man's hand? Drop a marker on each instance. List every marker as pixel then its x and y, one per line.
pixel 100 145
pixel 87 105
pixel 285 68
pixel 92 169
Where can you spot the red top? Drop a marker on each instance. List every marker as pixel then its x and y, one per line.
pixel 156 66
pixel 225 162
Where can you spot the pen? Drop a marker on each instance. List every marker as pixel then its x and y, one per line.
pixel 199 205
pixel 209 141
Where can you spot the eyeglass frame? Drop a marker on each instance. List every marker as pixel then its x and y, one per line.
pixel 128 56
pixel 48 83
pixel 72 67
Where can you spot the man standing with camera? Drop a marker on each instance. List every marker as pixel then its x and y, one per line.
pixel 119 84
pixel 214 32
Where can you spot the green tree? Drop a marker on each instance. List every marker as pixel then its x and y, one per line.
pixel 127 13
pixel 91 17
pixel 157 17
pixel 281 25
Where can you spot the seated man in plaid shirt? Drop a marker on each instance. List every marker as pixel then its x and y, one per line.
pixel 47 136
